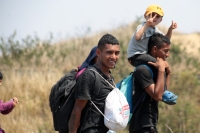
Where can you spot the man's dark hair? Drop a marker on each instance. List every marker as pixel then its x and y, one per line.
pixel 107 39
pixel 1 76
pixel 157 40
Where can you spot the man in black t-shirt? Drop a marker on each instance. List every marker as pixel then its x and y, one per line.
pixel 145 117
pixel 85 118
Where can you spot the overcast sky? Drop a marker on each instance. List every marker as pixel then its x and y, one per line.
pixel 65 18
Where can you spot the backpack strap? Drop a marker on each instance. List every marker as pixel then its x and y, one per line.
pixel 97 77
pixel 103 78
pixel 148 67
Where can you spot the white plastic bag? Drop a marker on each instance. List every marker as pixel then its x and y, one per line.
pixel 117 110
pixel 111 131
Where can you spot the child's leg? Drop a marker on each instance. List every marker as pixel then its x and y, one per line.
pixel 141 59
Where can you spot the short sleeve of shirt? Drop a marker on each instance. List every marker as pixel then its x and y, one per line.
pixel 84 85
pixel 143 76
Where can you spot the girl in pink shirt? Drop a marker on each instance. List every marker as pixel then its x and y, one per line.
pixel 6 107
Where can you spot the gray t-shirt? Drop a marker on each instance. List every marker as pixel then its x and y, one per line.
pixel 141 46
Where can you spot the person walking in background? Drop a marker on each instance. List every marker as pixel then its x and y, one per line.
pixel 6 107
pixel 137 47
pixel 85 118
pixel 145 117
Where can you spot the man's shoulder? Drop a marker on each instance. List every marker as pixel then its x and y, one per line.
pixel 143 67
pixel 91 69
pixel 85 77
pixel 88 72
pixel 144 70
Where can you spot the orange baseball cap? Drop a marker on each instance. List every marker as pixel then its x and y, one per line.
pixel 154 8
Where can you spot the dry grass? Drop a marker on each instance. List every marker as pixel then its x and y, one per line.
pixel 189 42
pixel 32 89
pixel 32 84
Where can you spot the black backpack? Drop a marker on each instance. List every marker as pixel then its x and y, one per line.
pixel 61 100
pixel 62 94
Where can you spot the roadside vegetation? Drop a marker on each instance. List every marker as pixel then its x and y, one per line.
pixel 31 66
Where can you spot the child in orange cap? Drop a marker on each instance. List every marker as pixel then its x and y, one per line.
pixel 138 45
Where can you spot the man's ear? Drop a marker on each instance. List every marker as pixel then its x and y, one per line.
pixel 98 52
pixel 155 49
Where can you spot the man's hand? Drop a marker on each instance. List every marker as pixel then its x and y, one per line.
pixel 167 68
pixel 173 26
pixel 160 64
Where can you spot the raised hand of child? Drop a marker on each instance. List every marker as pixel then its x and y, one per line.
pixel 15 101
pixel 150 19
pixel 174 25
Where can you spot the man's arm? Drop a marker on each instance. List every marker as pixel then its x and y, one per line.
pixel 83 91
pixel 169 32
pixel 74 120
pixel 156 90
